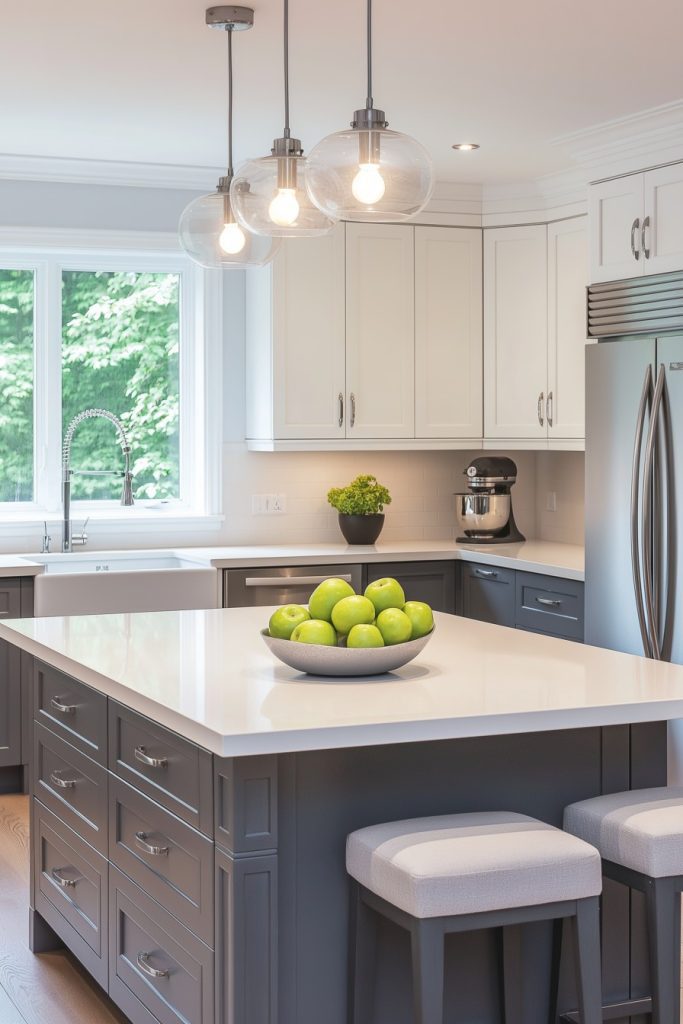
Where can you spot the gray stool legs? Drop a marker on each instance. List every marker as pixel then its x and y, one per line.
pixel 427 938
pixel 663 903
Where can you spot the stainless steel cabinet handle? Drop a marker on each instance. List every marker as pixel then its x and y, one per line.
pixel 643 246
pixel 61 783
pixel 549 408
pixel 549 602
pixel 151 848
pixel 58 704
pixel 634 227
pixel 61 880
pixel 146 967
pixel 143 757
pixel 539 408
pixel 340 400
pixel 485 572
pixel 291 581
pixel 353 410
pixel 645 398
pixel 648 577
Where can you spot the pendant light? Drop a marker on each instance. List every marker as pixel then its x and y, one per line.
pixel 209 232
pixel 269 194
pixel 367 172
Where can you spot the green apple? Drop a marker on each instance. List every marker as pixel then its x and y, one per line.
pixel 364 636
pixel 352 611
pixel 394 625
pixel 385 593
pixel 325 596
pixel 421 618
pixel 315 631
pixel 284 620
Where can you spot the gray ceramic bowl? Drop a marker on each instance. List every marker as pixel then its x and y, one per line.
pixel 318 660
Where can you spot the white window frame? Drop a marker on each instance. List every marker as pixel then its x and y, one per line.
pixel 48 253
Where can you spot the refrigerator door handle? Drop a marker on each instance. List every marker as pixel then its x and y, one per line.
pixel 650 452
pixel 645 398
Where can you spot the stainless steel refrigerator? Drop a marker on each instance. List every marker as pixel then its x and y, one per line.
pixel 634 500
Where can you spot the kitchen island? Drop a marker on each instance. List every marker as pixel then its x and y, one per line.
pixel 204 792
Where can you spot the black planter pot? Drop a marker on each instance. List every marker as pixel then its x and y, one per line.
pixel 361 529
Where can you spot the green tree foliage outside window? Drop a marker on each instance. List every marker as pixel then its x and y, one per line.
pixel 16 385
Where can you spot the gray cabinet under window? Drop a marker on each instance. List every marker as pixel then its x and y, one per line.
pixel 16 600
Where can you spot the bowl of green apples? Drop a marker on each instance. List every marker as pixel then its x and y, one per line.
pixel 341 633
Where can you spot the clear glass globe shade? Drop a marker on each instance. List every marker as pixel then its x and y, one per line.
pixel 261 205
pixel 344 185
pixel 211 239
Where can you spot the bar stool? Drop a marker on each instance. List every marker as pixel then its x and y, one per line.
pixel 462 872
pixel 640 837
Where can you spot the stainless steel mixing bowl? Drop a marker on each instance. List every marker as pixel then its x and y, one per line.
pixel 482 515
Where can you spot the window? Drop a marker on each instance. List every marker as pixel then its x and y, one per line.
pixel 130 332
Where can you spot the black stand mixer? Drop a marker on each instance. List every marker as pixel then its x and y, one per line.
pixel 484 513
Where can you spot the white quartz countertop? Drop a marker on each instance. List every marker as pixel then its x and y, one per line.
pixel 208 676
pixel 18 565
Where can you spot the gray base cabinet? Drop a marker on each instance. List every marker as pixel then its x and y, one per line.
pixel 16 601
pixel 433 582
pixel 488 594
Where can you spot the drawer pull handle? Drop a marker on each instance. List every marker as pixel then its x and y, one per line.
pixel 549 602
pixel 485 572
pixel 61 783
pixel 59 705
pixel 146 967
pixel 61 880
pixel 143 757
pixel 154 851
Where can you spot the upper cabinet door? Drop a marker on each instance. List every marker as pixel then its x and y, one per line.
pixel 663 231
pixel 448 333
pixel 616 220
pixel 567 280
pixel 515 332
pixel 309 337
pixel 380 331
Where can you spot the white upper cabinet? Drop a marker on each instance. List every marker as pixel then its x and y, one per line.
pixel 636 224
pixel 380 331
pixel 448 333
pixel 567 280
pixel 515 332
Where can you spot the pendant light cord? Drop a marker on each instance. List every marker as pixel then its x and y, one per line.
pixel 369 100
pixel 230 167
pixel 286 66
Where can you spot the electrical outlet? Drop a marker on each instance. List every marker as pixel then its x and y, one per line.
pixel 551 501
pixel 277 503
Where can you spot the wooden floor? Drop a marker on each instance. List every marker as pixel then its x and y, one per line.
pixel 51 988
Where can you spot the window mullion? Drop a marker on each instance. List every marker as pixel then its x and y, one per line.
pixel 49 386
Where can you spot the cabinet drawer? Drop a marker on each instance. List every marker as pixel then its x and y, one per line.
pixel 158 970
pixel 488 593
pixel 72 786
pixel 72 710
pixel 171 770
pixel 169 860
pixel 72 890
pixel 550 605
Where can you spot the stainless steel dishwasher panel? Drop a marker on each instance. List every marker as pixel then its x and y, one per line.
pixel 251 588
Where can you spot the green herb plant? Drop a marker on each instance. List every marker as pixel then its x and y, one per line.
pixel 364 496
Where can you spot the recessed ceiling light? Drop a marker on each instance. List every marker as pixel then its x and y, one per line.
pixel 465 147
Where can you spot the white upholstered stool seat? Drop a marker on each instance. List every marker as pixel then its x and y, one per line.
pixel 641 829
pixel 472 863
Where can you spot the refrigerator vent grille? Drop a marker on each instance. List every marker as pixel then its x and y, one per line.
pixel 641 305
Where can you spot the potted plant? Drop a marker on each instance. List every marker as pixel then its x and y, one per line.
pixel 360 506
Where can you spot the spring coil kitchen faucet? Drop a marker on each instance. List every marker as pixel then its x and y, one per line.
pixel 68 540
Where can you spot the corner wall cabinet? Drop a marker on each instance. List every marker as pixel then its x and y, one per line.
pixel 637 224
pixel 534 334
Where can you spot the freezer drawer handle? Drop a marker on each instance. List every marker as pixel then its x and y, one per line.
pixel 486 572
pixel 143 757
pixel 287 581
pixel 146 967
pixel 61 880
pixel 549 602
pixel 154 851
pixel 66 709
pixel 61 783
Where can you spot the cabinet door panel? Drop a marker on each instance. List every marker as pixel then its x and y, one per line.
pixel 10 704
pixel 380 330
pixel 613 208
pixel 515 331
pixel 448 333
pixel 664 206
pixel 567 279
pixel 433 582
pixel 488 594
pixel 309 337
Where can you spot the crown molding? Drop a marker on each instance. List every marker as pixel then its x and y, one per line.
pixel 108 172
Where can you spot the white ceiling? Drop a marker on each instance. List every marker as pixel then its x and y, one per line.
pixel 145 80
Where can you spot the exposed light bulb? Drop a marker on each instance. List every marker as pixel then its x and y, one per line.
pixel 368 186
pixel 284 207
pixel 232 239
